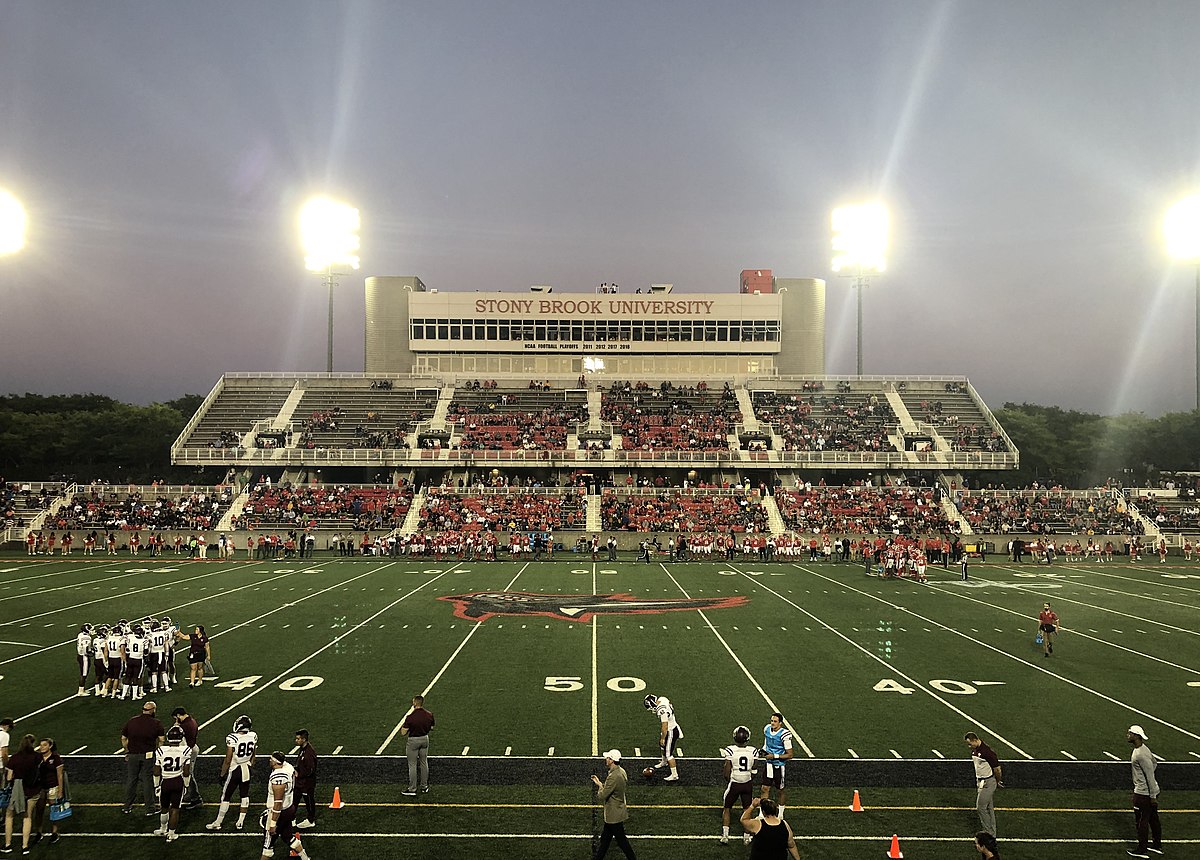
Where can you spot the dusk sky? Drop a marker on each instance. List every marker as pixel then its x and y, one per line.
pixel 1027 151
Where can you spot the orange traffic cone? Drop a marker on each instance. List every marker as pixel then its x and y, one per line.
pixel 337 798
pixel 856 804
pixel 895 854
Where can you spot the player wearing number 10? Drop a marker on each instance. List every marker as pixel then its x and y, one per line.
pixel 740 763
pixel 240 746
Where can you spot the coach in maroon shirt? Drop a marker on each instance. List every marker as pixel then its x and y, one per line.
pixel 191 732
pixel 416 727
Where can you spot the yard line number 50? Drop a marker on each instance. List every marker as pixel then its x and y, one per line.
pixel 574 683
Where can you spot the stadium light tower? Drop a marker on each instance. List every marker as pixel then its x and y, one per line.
pixel 860 238
pixel 13 223
pixel 1181 229
pixel 329 234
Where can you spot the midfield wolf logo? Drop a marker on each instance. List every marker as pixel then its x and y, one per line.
pixel 482 605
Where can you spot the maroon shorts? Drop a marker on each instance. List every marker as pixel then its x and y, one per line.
pixel 171 793
pixel 133 671
pixel 736 790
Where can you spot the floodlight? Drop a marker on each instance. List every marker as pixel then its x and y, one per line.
pixel 329 233
pixel 860 237
pixel 1181 228
pixel 13 222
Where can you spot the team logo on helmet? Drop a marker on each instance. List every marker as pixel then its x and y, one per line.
pixel 482 605
pixel 741 735
pixel 174 735
pixel 651 702
pixel 242 724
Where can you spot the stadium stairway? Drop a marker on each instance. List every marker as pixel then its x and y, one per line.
pixel 907 424
pixel 749 419
pixel 413 519
pixel 594 402
pixel 438 422
pixel 954 515
pixel 595 522
pixel 284 419
pixel 235 509
pixel 774 518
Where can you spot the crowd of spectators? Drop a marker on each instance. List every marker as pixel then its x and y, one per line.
pixel 862 510
pixel 671 510
pixel 502 429
pixel 110 510
pixel 1043 511
pixel 827 423
pixel 365 508
pixel 227 439
pixel 451 511
pixel 670 417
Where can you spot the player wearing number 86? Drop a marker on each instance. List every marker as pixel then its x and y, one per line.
pixel 240 747
pixel 740 762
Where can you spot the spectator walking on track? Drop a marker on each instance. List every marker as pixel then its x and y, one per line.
pixel 416 727
pixel 1145 796
pixel 611 792
pixel 140 737
pixel 988 777
pixel 22 775
pixel 1048 625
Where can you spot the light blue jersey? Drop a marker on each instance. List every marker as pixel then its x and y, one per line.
pixel 777 743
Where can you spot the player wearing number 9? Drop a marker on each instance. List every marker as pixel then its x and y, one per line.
pixel 240 746
pixel 741 760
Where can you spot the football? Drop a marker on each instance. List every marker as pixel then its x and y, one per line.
pixel 648 772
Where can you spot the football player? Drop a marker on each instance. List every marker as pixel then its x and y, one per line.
pixel 83 656
pixel 136 644
pixel 157 658
pixel 171 629
pixel 777 750
pixel 279 818
pixel 669 733
pixel 115 649
pixel 240 746
pixel 100 659
pixel 171 770
pixel 740 762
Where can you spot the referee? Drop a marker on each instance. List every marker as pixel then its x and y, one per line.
pixel 988 777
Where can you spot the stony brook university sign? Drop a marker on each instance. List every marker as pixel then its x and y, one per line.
pixel 482 605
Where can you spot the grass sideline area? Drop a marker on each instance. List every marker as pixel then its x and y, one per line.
pixel 530 675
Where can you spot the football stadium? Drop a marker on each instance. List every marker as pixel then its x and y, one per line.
pixel 568 520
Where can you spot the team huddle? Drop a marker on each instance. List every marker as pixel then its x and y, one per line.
pixel 131 659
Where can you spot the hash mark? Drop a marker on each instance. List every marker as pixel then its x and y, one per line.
pixel 852 753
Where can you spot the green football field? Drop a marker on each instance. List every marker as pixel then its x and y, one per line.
pixel 533 669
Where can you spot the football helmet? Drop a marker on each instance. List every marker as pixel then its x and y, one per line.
pixel 651 702
pixel 166 620
pixel 174 736
pixel 102 630
pixel 86 628
pixel 243 724
pixel 740 735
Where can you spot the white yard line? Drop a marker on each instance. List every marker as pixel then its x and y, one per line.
pixel 890 666
pixel 595 681
pixel 327 645
pixel 84 568
pixel 120 595
pixel 1156 583
pixel 1035 666
pixel 474 629
pixel 766 698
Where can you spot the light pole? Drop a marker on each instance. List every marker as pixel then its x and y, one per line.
pixel 13 223
pixel 860 238
pixel 329 234
pixel 1181 228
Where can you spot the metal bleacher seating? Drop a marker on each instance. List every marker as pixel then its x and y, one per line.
pixel 239 405
pixel 339 414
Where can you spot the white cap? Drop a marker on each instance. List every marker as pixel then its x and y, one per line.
pixel 1139 731
pixel 615 755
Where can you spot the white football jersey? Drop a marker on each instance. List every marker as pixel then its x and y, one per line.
pixel 744 760
pixel 243 745
pixel 83 644
pixel 158 641
pixel 666 714
pixel 285 776
pixel 170 760
pixel 115 643
pixel 135 647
